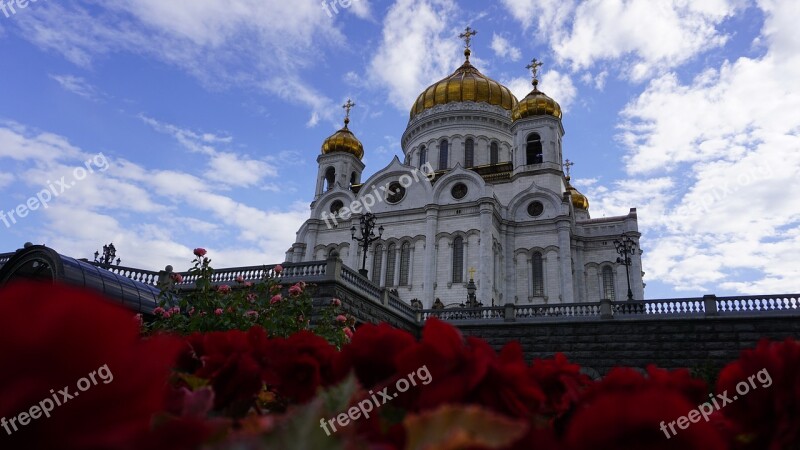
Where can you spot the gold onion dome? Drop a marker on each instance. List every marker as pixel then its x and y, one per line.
pixel 344 140
pixel 536 103
pixel 466 84
pixel 578 200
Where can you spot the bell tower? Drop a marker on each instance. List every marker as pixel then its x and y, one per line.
pixel 340 160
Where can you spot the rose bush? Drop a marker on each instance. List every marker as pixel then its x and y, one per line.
pixel 259 389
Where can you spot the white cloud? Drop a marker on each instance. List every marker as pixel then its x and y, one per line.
pixel 147 213
pixel 77 86
pixel 728 140
pixel 643 36
pixel 418 46
pixel 503 48
pixel 262 43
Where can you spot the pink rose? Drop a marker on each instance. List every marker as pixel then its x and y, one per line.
pixel 341 318
pixel 218 311
pixel 253 314
pixel 240 279
pixel 336 302
pixel 176 277
pixel 167 315
pixel 278 269
pixel 348 332
pixel 224 288
pixel 199 251
pixel 175 310
pixel 296 290
pixel 159 311
pixel 275 299
pixel 248 284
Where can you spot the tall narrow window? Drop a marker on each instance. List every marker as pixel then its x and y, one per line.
pixel 458 260
pixel 423 156
pixel 330 178
pixel 608 283
pixel 494 153
pixel 469 153
pixel 443 147
pixel 538 275
pixel 353 178
pixel 405 259
pixel 533 151
pixel 390 264
pixel 377 262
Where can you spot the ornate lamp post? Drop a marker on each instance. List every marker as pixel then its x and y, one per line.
pixel 367 228
pixel 109 253
pixel 626 248
pixel 472 300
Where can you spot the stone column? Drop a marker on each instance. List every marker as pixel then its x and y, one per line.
pixel 565 262
pixel 485 255
pixel 311 240
pixel 580 279
pixel 431 228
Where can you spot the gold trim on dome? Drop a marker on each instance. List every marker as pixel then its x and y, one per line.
pixel 466 84
pixel 578 200
pixel 344 140
pixel 536 103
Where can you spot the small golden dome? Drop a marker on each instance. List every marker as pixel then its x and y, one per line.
pixel 578 200
pixel 466 84
pixel 536 104
pixel 343 141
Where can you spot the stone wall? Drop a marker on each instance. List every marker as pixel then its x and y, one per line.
pixel 598 345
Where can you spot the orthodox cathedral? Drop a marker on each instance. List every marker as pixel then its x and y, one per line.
pixel 483 192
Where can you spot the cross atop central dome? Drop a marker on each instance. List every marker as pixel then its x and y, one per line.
pixel 466 84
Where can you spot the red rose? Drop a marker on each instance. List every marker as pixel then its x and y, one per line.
pixel 626 411
pixel 298 365
pixel 766 415
pixel 507 387
pixel 278 269
pixel 372 351
pixel 58 337
pixel 230 360
pixel 456 366
pixel 561 382
pixel 200 252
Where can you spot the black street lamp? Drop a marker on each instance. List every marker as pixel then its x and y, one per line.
pixel 626 248
pixel 109 253
pixel 367 228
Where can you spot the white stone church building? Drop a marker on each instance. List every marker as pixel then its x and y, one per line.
pixel 497 205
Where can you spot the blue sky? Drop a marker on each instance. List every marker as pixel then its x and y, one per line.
pixel 201 119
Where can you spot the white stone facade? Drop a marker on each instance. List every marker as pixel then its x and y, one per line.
pixel 501 241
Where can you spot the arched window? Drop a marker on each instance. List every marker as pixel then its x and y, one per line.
pixel 330 178
pixel 538 275
pixel 353 178
pixel 423 156
pixel 608 283
pixel 533 151
pixel 405 259
pixel 458 260
pixel 469 153
pixel 494 153
pixel 390 264
pixel 377 262
pixel 443 147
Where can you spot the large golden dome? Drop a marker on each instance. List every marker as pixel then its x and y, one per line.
pixel 466 84
pixel 343 141
pixel 578 200
pixel 536 104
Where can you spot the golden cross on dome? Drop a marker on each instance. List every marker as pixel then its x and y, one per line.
pixel 471 273
pixel 347 107
pixel 467 36
pixel 567 165
pixel 534 67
